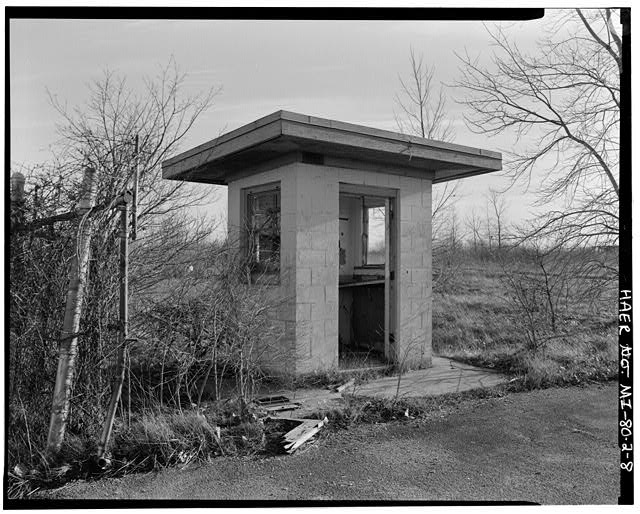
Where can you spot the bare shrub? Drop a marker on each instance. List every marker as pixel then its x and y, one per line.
pixel 545 283
pixel 447 247
pixel 101 133
pixel 203 332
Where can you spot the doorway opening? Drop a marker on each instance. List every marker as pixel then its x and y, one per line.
pixel 366 296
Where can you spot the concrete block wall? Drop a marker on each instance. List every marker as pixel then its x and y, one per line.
pixel 280 356
pixel 310 261
pixel 316 267
pixel 415 273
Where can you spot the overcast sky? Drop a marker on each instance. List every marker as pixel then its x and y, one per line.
pixel 341 70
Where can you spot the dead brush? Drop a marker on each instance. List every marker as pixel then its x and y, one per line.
pixel 332 378
pixel 156 439
pixel 23 481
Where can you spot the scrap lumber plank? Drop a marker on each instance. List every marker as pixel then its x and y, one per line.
pixel 307 435
pixel 295 433
pixel 307 430
pixel 283 407
pixel 272 400
pixel 345 385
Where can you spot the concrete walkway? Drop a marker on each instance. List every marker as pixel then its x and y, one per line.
pixel 444 376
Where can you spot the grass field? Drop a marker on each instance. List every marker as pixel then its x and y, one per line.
pixel 476 321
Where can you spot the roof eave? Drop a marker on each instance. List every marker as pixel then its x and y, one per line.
pixel 308 133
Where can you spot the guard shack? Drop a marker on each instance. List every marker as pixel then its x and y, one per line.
pixel 338 217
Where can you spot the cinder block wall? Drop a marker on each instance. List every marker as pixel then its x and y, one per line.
pixel 280 356
pixel 309 261
pixel 317 262
pixel 415 273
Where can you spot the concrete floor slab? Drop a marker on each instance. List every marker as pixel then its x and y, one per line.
pixel 444 376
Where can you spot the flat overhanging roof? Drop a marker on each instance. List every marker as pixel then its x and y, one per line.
pixel 287 133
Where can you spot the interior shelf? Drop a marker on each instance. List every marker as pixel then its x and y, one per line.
pixel 357 283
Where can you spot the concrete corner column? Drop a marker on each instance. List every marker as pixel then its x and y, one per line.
pixel 414 282
pixel 316 281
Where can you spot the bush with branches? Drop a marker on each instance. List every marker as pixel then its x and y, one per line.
pixel 100 134
pixel 544 283
pixel 211 330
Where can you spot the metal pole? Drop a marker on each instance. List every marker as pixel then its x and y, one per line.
pixel 123 207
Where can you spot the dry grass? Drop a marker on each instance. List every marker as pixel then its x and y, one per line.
pixel 168 437
pixel 474 322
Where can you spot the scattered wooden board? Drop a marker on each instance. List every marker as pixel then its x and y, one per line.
pixel 345 385
pixel 272 400
pixel 302 433
pixel 283 407
pixel 277 403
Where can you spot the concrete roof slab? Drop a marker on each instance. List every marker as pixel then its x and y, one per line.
pixel 283 133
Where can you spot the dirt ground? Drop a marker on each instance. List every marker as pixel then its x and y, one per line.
pixel 554 446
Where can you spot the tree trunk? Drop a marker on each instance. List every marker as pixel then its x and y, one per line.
pixel 71 324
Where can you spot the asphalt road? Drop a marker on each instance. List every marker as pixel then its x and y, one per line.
pixel 555 446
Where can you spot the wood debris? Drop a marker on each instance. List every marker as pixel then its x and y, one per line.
pixel 345 385
pixel 302 433
pixel 277 403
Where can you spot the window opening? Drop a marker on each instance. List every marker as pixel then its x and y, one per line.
pixel 375 236
pixel 264 230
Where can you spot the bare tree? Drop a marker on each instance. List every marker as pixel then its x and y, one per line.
pixel 474 224
pixel 421 112
pixel 562 104
pixel 545 281
pixel 105 129
pixel 496 209
pixel 446 255
pixel 422 108
pixel 71 323
pixel 102 132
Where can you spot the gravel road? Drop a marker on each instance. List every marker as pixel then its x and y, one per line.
pixel 553 446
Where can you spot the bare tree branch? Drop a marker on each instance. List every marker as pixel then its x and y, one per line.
pixel 422 113
pixel 561 103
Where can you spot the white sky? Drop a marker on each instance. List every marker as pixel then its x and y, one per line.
pixel 334 69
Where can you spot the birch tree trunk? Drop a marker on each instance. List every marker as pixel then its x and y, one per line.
pixel 71 324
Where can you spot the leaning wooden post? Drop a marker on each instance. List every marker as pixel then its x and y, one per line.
pixel 123 206
pixel 17 219
pixel 69 337
pixel 17 198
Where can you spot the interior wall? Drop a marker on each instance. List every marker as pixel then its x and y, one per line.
pixel 349 227
pixel 411 344
pixel 368 317
pixel 345 316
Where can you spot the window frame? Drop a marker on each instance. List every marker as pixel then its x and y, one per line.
pixel 258 270
pixel 366 229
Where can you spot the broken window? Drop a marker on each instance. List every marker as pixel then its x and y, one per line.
pixel 263 217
